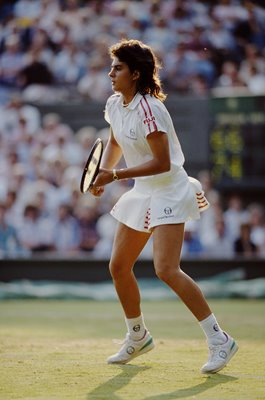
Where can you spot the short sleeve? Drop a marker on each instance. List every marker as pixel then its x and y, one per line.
pixel 106 112
pixel 154 116
pixel 106 116
pixel 110 107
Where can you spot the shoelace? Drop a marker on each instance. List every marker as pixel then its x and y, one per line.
pixel 213 350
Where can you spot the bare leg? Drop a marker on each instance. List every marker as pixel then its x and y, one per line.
pixel 127 246
pixel 167 248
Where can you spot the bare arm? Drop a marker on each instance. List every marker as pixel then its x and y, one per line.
pixel 112 153
pixel 111 156
pixel 160 162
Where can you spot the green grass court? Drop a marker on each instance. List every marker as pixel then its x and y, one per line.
pixel 53 350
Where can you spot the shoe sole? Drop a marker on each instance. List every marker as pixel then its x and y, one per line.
pixel 141 352
pixel 232 353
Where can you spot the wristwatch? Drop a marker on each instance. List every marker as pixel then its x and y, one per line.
pixel 115 176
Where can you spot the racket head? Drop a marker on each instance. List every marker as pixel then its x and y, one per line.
pixel 92 166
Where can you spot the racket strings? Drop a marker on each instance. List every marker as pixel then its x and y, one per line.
pixel 92 166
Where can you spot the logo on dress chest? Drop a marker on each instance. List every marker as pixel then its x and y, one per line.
pixel 131 134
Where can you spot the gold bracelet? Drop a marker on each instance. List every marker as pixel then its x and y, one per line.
pixel 115 176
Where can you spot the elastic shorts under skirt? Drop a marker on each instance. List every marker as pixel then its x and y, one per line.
pixel 161 201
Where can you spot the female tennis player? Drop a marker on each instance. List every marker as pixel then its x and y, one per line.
pixel 162 200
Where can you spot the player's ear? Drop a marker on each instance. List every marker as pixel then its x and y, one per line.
pixel 136 75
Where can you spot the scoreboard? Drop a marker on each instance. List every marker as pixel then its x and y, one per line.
pixel 237 142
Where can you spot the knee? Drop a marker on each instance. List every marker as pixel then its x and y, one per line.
pixel 166 273
pixel 117 271
pixel 114 270
pixel 163 274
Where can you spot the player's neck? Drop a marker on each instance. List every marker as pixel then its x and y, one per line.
pixel 128 98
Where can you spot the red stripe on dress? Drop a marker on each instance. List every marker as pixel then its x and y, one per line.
pixel 147 219
pixel 145 113
pixel 151 114
pixel 203 205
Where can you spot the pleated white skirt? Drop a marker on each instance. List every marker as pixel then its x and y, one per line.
pixel 162 200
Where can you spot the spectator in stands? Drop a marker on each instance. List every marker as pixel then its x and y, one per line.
pixel 206 179
pixel 252 29
pixel 66 230
pixel 197 38
pixel 229 12
pixel 87 215
pixel 52 129
pixel 256 82
pixel 46 197
pixel 59 32
pixel 218 37
pixel 203 66
pixel 207 223
pixel 180 67
pixel 230 78
pixel 159 35
pixel 219 245
pixel 16 177
pixel 180 21
pixel 56 166
pixel 192 245
pixel 27 8
pixel 234 216
pixel 12 214
pixel 35 232
pixel 9 242
pixel 12 114
pixel 243 245
pixel 36 72
pixel 257 223
pixel 105 226
pixel 94 84
pixel 40 45
pixel 47 15
pixel 69 64
pixel 253 59
pixel 198 85
pixel 85 138
pixel 69 190
pixel 12 60
pixel 38 193
pixel 71 150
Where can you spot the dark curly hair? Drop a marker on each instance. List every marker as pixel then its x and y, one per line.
pixel 140 57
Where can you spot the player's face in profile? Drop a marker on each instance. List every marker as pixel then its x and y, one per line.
pixel 121 77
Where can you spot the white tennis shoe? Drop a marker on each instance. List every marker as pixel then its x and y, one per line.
pixel 220 355
pixel 132 349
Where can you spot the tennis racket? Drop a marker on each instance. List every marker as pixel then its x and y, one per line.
pixel 92 166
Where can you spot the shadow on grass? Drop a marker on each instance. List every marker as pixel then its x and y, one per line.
pixel 210 382
pixel 108 389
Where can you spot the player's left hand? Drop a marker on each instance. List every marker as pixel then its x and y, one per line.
pixel 97 191
pixel 104 177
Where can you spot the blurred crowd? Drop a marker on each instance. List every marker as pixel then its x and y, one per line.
pixel 56 50
pixel 43 210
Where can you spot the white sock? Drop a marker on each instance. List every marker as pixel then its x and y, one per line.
pixel 212 330
pixel 136 327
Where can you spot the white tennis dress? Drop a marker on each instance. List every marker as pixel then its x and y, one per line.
pixel 168 198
